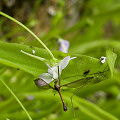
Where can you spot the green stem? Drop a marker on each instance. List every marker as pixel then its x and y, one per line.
pixel 16 99
pixel 36 57
pixel 11 18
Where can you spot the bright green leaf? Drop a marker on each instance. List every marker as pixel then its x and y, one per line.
pixel 75 71
pixel 111 58
pixel 10 55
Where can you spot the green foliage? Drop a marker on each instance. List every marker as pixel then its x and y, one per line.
pixel 73 72
pixel 111 60
pixel 11 55
pixel 89 40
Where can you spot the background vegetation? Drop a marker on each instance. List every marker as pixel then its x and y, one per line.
pixel 91 27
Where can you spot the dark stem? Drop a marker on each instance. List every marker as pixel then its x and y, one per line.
pixel 64 105
pixel 57 87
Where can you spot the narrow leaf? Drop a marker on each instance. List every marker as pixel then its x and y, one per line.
pixel 111 58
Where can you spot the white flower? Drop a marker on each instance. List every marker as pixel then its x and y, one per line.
pixel 63 45
pixel 103 59
pixel 52 74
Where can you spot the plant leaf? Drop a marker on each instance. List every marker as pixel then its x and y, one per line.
pixel 10 55
pixel 76 69
pixel 111 58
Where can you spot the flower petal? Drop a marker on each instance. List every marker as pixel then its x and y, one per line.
pixel 53 71
pixel 46 77
pixel 63 45
pixel 73 58
pixel 64 63
pixel 50 71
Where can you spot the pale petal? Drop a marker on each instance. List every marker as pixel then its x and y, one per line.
pixel 53 71
pixel 63 45
pixel 46 77
pixel 73 58
pixel 50 71
pixel 64 63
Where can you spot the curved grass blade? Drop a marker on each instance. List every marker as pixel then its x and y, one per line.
pixel 19 23
pixel 16 99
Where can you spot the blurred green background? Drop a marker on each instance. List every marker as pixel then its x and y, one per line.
pixel 91 27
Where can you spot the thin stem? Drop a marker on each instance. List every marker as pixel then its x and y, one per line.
pixel 64 105
pixel 57 87
pixel 72 106
pixel 16 99
pixel 39 58
pixel 11 18
pixel 59 76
